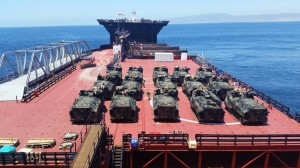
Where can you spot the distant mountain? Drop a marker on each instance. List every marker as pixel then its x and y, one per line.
pixel 223 17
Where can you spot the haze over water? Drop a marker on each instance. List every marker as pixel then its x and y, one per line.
pixel 264 55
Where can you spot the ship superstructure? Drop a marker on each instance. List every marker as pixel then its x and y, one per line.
pixel 138 30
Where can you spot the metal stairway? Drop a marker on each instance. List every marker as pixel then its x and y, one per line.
pixel 117 157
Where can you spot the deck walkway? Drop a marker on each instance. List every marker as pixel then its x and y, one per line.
pixel 87 149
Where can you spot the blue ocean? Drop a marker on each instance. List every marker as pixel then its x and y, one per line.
pixel 264 55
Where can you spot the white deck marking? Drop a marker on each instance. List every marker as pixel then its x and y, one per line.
pixel 193 121
pixel 233 123
pixel 151 102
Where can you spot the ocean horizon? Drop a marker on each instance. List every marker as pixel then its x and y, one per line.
pixel 265 55
pixel 170 23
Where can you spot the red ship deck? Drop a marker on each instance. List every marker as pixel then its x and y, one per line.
pixel 47 116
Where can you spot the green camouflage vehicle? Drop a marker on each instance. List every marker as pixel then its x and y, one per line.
pixel 165 105
pixel 132 69
pixel 86 108
pixel 245 108
pixel 166 84
pixel 159 71
pixel 179 74
pixel 115 74
pixel 206 106
pixel 135 73
pixel 123 107
pixel 133 88
pixel 104 87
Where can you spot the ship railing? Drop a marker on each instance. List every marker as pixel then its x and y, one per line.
pixel 37 158
pixel 131 21
pixel 279 106
pixel 12 76
pixel 32 93
pixel 242 139
pixel 9 77
pixel 163 138
pixel 150 139
pixel 81 136
pixel 148 44
pixel 297 116
pixel 126 141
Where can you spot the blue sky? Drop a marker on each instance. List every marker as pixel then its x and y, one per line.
pixel 85 12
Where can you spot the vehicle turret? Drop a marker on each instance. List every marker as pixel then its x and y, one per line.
pixel 135 73
pixel 205 74
pixel 166 84
pixel 140 69
pixel 115 74
pixel 162 70
pixel 133 88
pixel 179 74
pixel 191 83
pixel 103 86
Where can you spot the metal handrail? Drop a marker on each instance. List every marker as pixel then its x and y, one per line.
pixel 163 138
pixel 47 84
pixel 126 141
pixel 297 116
pixel 36 158
pixel 253 139
pixel 129 21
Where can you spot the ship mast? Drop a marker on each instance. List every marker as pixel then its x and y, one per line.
pixel 133 17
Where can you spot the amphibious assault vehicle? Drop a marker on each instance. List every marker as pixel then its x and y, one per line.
pixel 140 69
pixel 205 74
pixel 167 85
pixel 165 105
pixel 245 108
pixel 104 86
pixel 86 108
pixel 159 71
pixel 123 107
pixel 206 106
pixel 220 88
pixel 135 73
pixel 133 88
pixel 115 73
pixel 190 83
pixel 179 74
